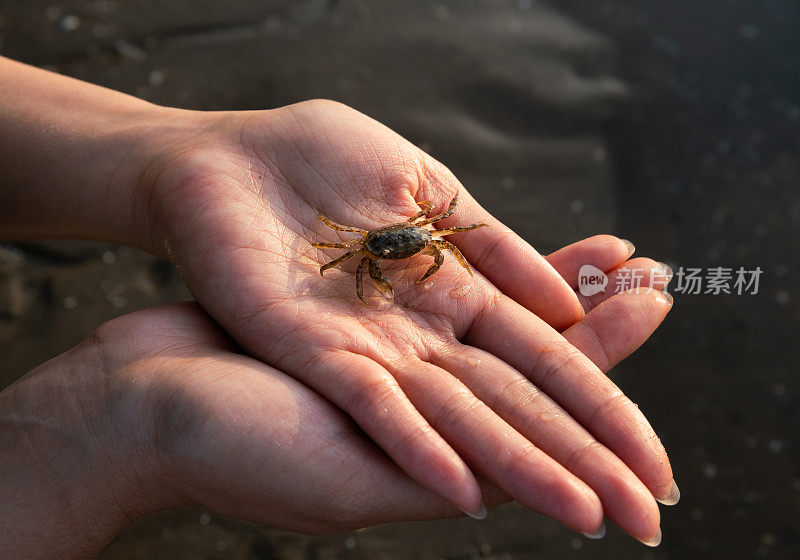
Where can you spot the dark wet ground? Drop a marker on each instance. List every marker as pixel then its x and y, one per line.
pixel 675 125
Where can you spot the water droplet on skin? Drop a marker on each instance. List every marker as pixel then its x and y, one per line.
pixel 427 285
pixel 474 361
pixel 548 416
pixel 460 291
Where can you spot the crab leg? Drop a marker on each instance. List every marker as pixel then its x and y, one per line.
pixel 339 227
pixel 442 244
pixel 347 255
pixel 432 249
pixel 448 231
pixel 426 206
pixel 382 284
pixel 450 210
pixel 345 245
pixel 359 278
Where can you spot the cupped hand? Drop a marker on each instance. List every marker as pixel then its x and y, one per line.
pixel 462 377
pixel 159 408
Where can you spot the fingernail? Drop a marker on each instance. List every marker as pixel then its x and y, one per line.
pixel 655 541
pixel 673 497
pixel 661 296
pixel 631 247
pixel 666 270
pixel 599 534
pixel 479 514
pixel 667 297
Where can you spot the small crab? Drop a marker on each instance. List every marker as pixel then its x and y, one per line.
pixel 395 242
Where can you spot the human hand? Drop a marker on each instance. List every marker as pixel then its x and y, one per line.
pixel 449 380
pixel 190 185
pixel 158 409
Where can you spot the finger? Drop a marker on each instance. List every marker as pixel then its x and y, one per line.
pixel 525 342
pixel 542 421
pixel 512 265
pixel 614 329
pixel 372 397
pixel 495 450
pixel 603 252
pixel 640 274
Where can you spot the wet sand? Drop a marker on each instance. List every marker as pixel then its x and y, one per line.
pixel 675 126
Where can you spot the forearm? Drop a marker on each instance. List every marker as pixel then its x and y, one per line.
pixel 70 157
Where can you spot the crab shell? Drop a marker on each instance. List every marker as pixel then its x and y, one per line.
pixel 398 241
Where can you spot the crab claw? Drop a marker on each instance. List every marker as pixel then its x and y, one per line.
pixel 384 286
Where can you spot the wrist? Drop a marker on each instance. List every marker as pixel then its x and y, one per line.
pixel 72 157
pixel 151 140
pixel 73 455
pixel 183 159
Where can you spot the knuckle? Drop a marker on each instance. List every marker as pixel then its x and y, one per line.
pixel 604 350
pixel 518 459
pixel 419 431
pixel 515 394
pixel 375 397
pixel 490 303
pixel 456 406
pixel 609 405
pixel 590 449
pixel 557 357
pixel 485 258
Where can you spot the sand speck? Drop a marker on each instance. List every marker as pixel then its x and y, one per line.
pixel 460 291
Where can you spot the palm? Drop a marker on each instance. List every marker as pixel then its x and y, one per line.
pixel 417 375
